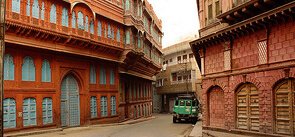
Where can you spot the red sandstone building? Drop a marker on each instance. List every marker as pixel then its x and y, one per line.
pixel 246 53
pixel 79 62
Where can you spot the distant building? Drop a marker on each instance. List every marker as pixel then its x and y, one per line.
pixel 246 53
pixel 179 74
pixel 79 62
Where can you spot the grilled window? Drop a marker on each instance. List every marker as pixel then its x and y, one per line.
pixel 210 14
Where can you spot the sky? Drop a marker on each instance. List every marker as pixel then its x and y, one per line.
pixel 179 19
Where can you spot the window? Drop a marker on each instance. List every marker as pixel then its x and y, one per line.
pixel 16 6
pixel 188 103
pixel 170 60
pixel 91 27
pixel 9 113
pixel 109 31
pixel 181 102
pixel 42 10
pixel 103 106
pixel 127 5
pixel 92 74
pixel 99 28
pixel 262 52
pixel 191 55
pixel 46 71
pixel 93 107
pixel 113 105
pixel 53 14
pixel 102 75
pixel 35 9
pixel 127 37
pixel 28 6
pixel 174 76
pixel 210 14
pixel 86 24
pixel 80 20
pixel 47 111
pixel 184 58
pixel 29 112
pixel 28 69
pixel 179 78
pixel 179 59
pixel 138 42
pixel 74 19
pixel 217 8
pixel 118 35
pixel 8 67
pixel 112 77
pixel 65 17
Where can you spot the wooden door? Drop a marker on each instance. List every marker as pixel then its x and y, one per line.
pixel 248 108
pixel 285 107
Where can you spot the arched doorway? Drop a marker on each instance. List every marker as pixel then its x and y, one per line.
pixel 70 102
pixel 216 107
pixel 247 107
pixel 284 105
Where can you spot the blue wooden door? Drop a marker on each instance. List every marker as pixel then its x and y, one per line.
pixel 70 103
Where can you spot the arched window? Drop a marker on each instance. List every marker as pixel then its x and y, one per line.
pixel 127 37
pixel 35 9
pixel 138 42
pixel 28 69
pixel 42 10
pixel 103 106
pixel 99 28
pixel 113 105
pixel 9 113
pixel 102 75
pixel 109 31
pixel 91 27
pixel 46 71
pixel 86 24
pixel 112 77
pixel 127 5
pixel 118 35
pixel 29 112
pixel 65 17
pixel 47 111
pixel 15 6
pixel 28 7
pixel 92 74
pixel 53 14
pixel 8 67
pixel 74 20
pixel 93 107
pixel 80 20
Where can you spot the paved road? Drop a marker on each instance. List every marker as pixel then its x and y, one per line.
pixel 161 126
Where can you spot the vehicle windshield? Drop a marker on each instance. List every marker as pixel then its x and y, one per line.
pixel 188 103
pixel 181 103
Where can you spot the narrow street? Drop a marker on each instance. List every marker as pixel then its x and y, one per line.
pixel 161 126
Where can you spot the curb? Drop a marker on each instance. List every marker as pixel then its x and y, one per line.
pixel 76 128
pixel 33 132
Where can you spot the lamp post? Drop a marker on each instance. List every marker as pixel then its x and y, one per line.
pixel 2 48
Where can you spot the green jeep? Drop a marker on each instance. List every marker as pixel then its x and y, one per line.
pixel 186 108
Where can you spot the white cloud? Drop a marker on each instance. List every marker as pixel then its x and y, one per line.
pixel 179 19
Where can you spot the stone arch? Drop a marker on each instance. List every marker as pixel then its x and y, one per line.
pixel 242 79
pixel 247 106
pixel 215 107
pixel 283 103
pixel 76 75
pixel 82 2
pixel 214 83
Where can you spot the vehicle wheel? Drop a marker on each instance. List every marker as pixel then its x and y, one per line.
pixel 194 120
pixel 174 119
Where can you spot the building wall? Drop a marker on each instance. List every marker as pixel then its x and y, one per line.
pixel 246 69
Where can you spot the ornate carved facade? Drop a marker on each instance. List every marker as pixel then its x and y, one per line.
pixel 246 55
pixel 67 63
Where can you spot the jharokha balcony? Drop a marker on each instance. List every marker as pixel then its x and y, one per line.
pixel 41 28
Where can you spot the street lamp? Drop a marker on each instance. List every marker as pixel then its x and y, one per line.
pixel 2 48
